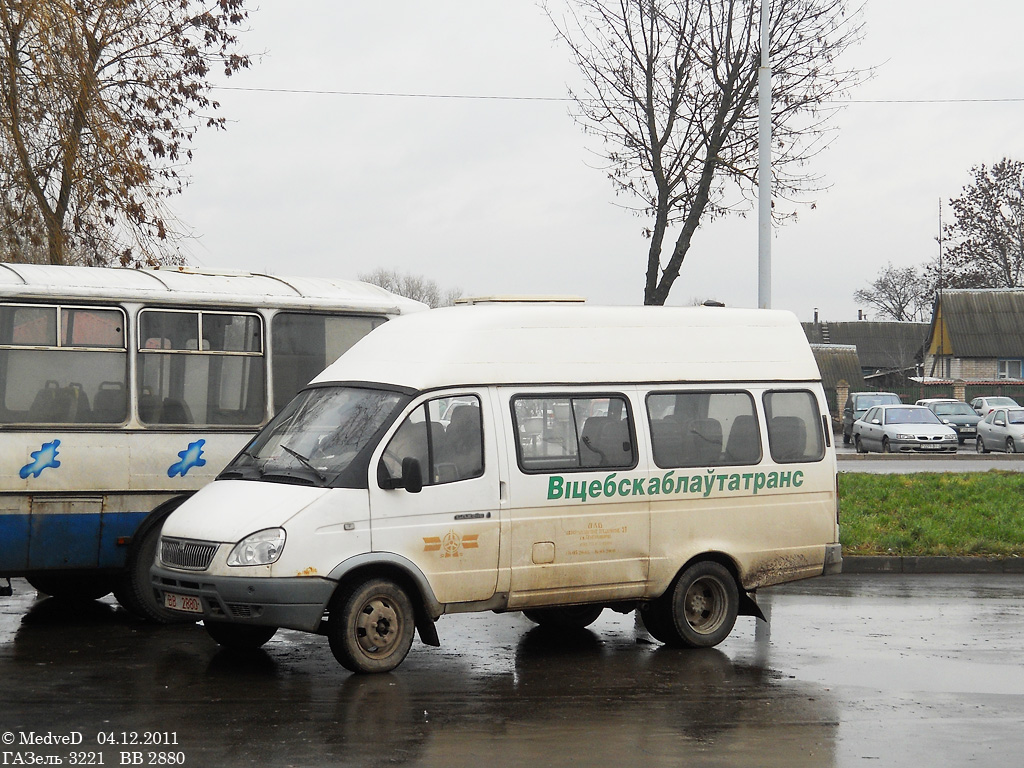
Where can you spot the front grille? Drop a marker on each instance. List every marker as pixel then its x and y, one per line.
pixel 187 554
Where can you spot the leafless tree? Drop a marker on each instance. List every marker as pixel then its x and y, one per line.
pixel 412 287
pixel 99 102
pixel 671 95
pixel 986 238
pixel 898 294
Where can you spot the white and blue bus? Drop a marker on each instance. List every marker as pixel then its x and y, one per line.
pixel 122 391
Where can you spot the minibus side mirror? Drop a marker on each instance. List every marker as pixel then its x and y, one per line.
pixel 412 475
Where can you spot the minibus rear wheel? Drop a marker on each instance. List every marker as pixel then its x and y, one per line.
pixel 565 616
pixel 703 606
pixel 371 625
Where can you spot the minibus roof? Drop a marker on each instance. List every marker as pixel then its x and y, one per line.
pixel 574 344
pixel 188 285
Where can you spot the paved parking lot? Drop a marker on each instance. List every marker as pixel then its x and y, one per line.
pixel 852 671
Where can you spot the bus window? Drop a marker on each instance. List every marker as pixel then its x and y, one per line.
pixel 78 377
pixel 794 426
pixel 305 344
pixel 200 367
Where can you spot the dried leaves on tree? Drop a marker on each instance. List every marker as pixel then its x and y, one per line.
pixel 99 103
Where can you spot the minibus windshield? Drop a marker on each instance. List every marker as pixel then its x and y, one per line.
pixel 322 437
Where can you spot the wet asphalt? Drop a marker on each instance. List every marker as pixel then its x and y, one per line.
pixel 854 670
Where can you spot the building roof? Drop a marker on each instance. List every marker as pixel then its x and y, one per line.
pixel 45 282
pixel 578 343
pixel 984 322
pixel 881 346
pixel 838 362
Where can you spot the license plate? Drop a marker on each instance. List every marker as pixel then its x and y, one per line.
pixel 930 446
pixel 968 429
pixel 185 603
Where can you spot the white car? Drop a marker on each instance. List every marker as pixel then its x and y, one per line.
pixel 902 428
pixel 1001 430
pixel 985 405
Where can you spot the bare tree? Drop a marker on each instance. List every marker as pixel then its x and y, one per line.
pixel 412 287
pixel 99 102
pixel 898 294
pixel 671 94
pixel 987 235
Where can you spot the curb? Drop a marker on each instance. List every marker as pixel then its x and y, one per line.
pixel 881 564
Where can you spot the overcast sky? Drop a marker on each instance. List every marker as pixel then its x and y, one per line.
pixel 502 196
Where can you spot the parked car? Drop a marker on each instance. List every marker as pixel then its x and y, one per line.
pixel 857 405
pixel 895 428
pixel 983 406
pixel 1001 430
pixel 957 414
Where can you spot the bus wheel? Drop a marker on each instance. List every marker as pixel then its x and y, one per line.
pixel 704 605
pixel 72 585
pixel 566 616
pixel 239 637
pixel 134 588
pixel 371 624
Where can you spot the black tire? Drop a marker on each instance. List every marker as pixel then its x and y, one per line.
pixel 886 448
pixel 565 616
pixel 979 446
pixel 1011 447
pixel 134 588
pixel 703 605
pixel 371 625
pixel 72 585
pixel 657 620
pixel 239 637
pixel 860 447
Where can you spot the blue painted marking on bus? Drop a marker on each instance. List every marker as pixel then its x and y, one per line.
pixel 44 458
pixel 14 535
pixel 190 457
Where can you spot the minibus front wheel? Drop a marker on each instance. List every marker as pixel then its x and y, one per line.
pixel 371 625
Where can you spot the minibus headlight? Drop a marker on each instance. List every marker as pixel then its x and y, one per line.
pixel 260 548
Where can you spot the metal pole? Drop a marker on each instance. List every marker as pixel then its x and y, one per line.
pixel 764 169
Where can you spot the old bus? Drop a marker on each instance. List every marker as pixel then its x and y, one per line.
pixel 123 390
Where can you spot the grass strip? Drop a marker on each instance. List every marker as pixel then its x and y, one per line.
pixel 932 514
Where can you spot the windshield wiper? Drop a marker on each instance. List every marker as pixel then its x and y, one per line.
pixel 305 462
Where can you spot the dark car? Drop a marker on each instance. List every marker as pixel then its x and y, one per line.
pixel 956 414
pixel 857 405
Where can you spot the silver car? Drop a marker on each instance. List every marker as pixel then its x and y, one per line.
pixel 1001 430
pixel 895 428
pixel 983 406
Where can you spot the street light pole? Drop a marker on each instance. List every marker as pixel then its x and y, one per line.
pixel 764 169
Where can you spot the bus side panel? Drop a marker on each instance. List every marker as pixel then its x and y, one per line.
pixel 65 533
pixel 14 529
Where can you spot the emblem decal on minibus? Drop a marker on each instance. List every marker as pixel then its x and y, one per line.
pixel 452 544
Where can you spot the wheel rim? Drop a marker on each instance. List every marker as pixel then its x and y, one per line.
pixel 978 445
pixel 1010 447
pixel 704 605
pixel 378 627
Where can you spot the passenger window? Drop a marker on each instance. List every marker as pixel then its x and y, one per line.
pixel 305 344
pixel 558 433
pixel 794 426
pixel 445 435
pixel 62 365
pixel 199 367
pixel 702 429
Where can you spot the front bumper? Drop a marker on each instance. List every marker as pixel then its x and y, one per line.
pixel 923 446
pixel 294 603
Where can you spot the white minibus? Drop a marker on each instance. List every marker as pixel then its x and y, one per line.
pixel 552 459
pixel 124 390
